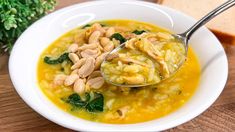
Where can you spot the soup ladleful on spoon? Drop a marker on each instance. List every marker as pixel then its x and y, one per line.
pixel 183 38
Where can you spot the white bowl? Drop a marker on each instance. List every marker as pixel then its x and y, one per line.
pixel 25 55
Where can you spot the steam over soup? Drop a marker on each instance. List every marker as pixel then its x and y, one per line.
pixel 69 75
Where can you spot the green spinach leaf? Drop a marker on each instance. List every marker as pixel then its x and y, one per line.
pixel 91 105
pixel 138 32
pixel 87 97
pixel 59 60
pixel 89 25
pixel 119 37
pixel 85 26
pixel 75 100
pixel 96 104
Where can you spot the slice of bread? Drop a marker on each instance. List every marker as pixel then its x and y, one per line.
pixel 223 25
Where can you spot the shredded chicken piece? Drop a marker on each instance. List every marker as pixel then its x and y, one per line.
pixel 142 43
pixel 165 68
pixel 127 60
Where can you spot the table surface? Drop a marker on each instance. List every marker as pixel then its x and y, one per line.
pixel 15 115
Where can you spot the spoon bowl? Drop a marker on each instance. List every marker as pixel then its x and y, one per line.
pixel 178 38
pixel 121 46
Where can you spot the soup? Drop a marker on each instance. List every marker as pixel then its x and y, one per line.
pixel 69 75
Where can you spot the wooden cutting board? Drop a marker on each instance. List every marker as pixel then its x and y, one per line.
pixel 15 115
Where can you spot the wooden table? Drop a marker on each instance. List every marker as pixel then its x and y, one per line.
pixel 15 115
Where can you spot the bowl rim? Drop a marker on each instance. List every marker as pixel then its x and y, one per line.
pixel 34 107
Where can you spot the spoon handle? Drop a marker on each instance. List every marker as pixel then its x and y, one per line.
pixel 207 18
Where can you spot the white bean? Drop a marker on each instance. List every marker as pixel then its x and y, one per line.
pixel 104 41
pixel 78 64
pixel 99 60
pixel 73 57
pixel 90 53
pixel 87 68
pixel 109 47
pixel 94 37
pixel 96 83
pixel 79 86
pixel 59 79
pixel 73 48
pixel 110 32
pixel 70 79
pixel 88 46
pixel 94 74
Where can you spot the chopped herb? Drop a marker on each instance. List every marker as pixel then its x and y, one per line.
pixel 91 105
pixel 119 37
pixel 103 25
pixel 129 63
pixel 87 25
pixel 138 32
pixel 62 69
pixel 179 92
pixel 154 88
pixel 59 60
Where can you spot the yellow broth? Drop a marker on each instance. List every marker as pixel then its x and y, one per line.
pixel 144 104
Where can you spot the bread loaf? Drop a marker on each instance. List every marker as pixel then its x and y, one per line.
pixel 223 25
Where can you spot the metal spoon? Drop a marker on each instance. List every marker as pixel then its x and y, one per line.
pixel 183 37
